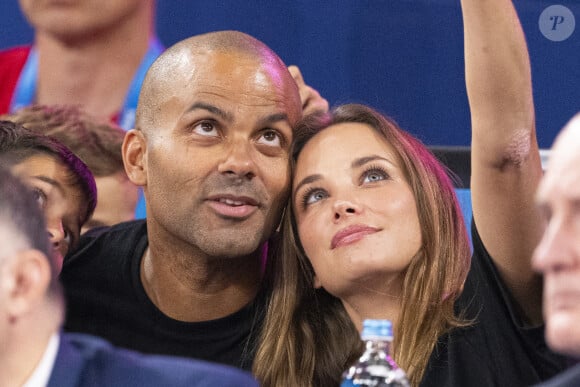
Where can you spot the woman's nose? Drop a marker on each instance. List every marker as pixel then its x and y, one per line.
pixel 344 208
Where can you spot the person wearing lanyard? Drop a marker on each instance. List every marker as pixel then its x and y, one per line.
pixel 92 53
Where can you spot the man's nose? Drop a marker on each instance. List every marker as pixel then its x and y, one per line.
pixel 238 160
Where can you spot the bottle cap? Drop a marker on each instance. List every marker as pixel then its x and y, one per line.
pixel 377 329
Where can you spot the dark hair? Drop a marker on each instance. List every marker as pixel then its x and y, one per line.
pixel 20 213
pixel 18 143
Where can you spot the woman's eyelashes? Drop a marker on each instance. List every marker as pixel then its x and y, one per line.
pixel 312 195
pixel 373 174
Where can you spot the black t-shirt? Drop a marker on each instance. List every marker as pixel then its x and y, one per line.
pixel 105 297
pixel 497 349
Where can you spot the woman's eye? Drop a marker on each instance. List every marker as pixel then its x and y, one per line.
pixel 313 196
pixel 374 175
pixel 270 138
pixel 205 128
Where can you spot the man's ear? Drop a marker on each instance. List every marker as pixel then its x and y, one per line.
pixel 26 281
pixel 135 157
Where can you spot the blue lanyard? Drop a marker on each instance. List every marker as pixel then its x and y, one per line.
pixel 25 91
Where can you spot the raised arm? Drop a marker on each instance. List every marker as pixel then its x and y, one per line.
pixel 505 160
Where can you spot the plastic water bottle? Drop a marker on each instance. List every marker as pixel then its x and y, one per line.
pixel 376 368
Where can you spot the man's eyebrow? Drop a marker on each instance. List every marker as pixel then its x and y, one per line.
pixel 307 180
pixel 276 117
pixel 212 109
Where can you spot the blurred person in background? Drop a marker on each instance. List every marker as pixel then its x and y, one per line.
pixel 98 144
pixel 557 256
pixel 92 53
pixel 64 186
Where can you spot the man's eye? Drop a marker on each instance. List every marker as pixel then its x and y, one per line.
pixel 270 138
pixel 205 128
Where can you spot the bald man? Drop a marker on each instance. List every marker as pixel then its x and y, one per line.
pixel 557 256
pixel 210 150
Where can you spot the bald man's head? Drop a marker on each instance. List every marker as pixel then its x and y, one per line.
pixel 215 123
pixel 565 153
pixel 557 256
pixel 185 63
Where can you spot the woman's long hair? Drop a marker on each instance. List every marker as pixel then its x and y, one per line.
pixel 308 338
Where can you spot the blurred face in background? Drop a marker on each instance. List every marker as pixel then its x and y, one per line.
pixel 63 204
pixel 557 256
pixel 71 20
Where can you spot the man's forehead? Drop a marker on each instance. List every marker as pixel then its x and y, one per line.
pixel 566 150
pixel 563 171
pixel 242 80
pixel 191 73
pixel 235 70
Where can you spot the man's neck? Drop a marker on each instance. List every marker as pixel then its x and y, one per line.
pixel 188 286
pixel 94 73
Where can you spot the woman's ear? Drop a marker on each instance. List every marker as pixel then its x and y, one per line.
pixel 25 279
pixel 135 157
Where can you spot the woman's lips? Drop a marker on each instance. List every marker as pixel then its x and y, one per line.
pixel 351 234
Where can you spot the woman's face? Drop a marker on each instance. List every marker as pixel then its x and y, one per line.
pixel 63 204
pixel 355 211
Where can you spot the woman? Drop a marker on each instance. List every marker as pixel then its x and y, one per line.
pixel 64 186
pixel 373 230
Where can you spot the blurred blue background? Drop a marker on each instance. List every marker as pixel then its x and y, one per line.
pixel 404 57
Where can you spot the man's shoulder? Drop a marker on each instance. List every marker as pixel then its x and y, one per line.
pixel 120 237
pixel 106 252
pixel 102 364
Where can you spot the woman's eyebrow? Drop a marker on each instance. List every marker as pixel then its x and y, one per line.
pixel 359 162
pixel 307 180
